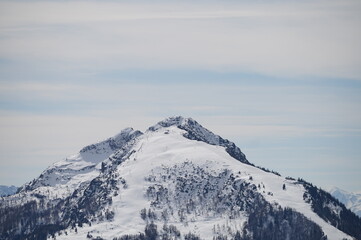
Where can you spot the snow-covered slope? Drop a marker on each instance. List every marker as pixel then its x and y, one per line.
pixel 178 180
pixel 157 157
pixel 7 190
pixel 75 171
pixel 350 199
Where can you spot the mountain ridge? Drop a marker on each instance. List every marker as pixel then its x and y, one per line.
pixel 352 200
pixel 7 190
pixel 177 180
pixel 195 131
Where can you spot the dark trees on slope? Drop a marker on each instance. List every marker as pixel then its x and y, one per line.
pixel 324 204
pixel 281 223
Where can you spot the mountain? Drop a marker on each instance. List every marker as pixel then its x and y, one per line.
pixel 351 200
pixel 7 190
pixel 78 170
pixel 177 180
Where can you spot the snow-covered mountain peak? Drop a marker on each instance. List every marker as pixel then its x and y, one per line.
pixel 179 181
pixel 114 142
pixel 352 200
pixel 170 121
pixel 79 169
pixel 335 191
pixel 195 131
pixel 125 132
pixel 7 190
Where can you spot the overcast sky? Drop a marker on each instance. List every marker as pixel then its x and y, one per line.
pixel 281 79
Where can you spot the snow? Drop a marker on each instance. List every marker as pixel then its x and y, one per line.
pixel 350 199
pixel 74 172
pixel 7 190
pixel 189 124
pixel 165 146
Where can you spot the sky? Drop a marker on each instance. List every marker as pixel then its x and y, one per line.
pixel 281 79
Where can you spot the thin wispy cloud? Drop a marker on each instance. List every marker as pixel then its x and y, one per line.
pixel 278 38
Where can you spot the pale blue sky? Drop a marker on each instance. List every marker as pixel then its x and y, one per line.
pixel 282 79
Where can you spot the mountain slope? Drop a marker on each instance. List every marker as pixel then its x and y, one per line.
pixel 178 180
pixel 350 199
pixel 7 190
pixel 60 179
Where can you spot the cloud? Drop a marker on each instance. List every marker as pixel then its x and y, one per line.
pixel 234 109
pixel 278 38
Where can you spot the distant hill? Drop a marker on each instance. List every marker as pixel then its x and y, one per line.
pixel 7 190
pixel 350 199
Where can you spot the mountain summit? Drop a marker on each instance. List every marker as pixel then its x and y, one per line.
pixel 177 180
pixel 7 190
pixel 195 131
pixel 351 200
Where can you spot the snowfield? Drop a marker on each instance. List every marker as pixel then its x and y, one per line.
pixel 177 180
pixel 165 148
